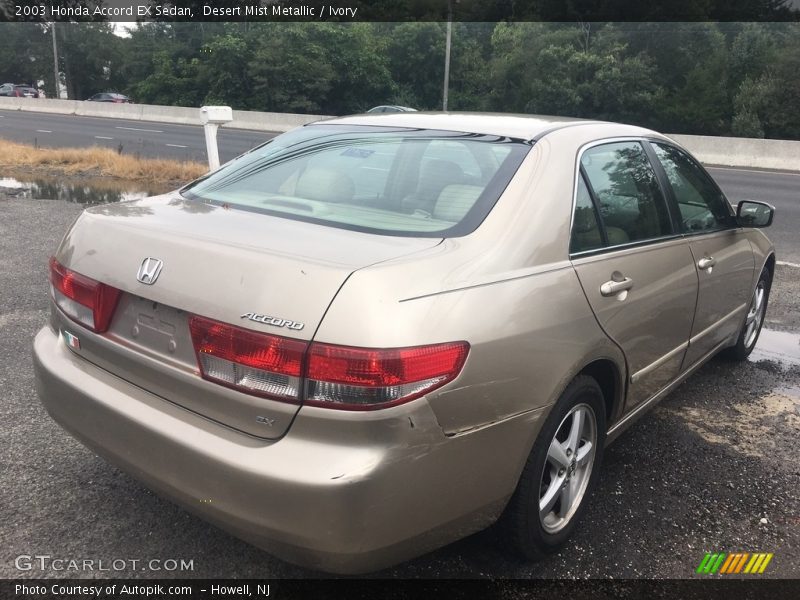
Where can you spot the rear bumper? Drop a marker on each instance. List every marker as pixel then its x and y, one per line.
pixel 341 492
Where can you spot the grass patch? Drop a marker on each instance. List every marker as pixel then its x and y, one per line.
pixel 96 161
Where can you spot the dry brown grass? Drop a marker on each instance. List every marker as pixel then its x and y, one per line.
pixel 98 161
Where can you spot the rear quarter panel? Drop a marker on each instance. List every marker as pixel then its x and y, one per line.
pixel 508 289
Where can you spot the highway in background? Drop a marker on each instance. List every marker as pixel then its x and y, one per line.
pixel 780 189
pixel 186 142
pixel 144 138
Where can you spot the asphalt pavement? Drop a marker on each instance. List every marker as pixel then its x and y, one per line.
pixel 712 469
pixel 781 189
pixel 142 138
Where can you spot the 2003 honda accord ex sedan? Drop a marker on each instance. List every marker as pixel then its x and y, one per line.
pixel 374 335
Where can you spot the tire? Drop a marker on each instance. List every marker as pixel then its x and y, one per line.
pixel 751 327
pixel 524 531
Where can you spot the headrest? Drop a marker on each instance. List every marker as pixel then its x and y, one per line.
pixel 455 201
pixel 325 185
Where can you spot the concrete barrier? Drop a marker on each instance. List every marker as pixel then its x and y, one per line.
pixel 722 151
pixel 783 155
pixel 181 115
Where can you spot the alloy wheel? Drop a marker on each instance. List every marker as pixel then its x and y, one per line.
pixel 568 468
pixel 755 315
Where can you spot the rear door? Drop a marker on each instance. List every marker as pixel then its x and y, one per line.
pixel 636 271
pixel 721 252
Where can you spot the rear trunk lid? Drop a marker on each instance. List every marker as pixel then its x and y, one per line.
pixel 263 273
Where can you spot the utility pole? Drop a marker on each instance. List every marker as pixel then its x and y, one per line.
pixel 447 53
pixel 55 62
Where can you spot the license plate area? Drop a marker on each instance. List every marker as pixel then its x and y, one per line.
pixel 154 329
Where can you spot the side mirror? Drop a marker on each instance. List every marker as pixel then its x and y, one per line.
pixel 750 213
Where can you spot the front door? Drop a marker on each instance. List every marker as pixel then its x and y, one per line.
pixel 721 252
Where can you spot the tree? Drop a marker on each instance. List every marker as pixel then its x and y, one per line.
pixel 25 53
pixel 568 70
pixel 90 57
pixel 416 58
pixel 358 58
pixel 285 79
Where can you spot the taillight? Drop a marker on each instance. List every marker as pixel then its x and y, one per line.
pixel 335 376
pixel 251 362
pixel 367 379
pixel 81 298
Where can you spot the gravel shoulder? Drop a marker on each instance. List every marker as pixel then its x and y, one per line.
pixel 713 468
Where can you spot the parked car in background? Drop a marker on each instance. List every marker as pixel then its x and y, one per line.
pixel 110 97
pixel 18 91
pixel 405 328
pixel 387 108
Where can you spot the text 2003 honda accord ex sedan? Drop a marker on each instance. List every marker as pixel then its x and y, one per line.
pixel 374 335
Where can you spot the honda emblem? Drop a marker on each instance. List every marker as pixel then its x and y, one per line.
pixel 149 271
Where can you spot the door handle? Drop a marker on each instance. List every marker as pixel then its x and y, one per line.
pixel 707 262
pixel 613 287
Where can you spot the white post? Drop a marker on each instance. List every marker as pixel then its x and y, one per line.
pixel 212 117
pixel 210 129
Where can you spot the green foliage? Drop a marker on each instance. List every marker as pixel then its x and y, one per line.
pixel 780 111
pixel 25 53
pixel 284 77
pixel 89 55
pixel 416 59
pixel 702 78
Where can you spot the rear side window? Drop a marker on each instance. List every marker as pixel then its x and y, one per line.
pixel 586 234
pixel 700 202
pixel 629 198
pixel 385 180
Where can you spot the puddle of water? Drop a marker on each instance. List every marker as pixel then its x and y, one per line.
pixel 86 191
pixel 781 347
pixel 749 426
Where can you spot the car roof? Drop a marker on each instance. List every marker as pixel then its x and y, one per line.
pixel 526 127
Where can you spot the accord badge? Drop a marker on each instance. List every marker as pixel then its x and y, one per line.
pixel 275 321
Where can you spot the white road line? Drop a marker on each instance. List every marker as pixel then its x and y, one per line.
pixel 783 263
pixel 762 171
pixel 102 137
pixel 136 129
pixel 44 131
pixel 176 146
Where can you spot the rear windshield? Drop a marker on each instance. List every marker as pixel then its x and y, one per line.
pixel 391 181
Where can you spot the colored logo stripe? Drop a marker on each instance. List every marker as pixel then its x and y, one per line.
pixel 758 563
pixel 711 563
pixel 736 562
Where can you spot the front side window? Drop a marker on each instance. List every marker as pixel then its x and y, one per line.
pixel 702 206
pixel 384 180
pixel 629 198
